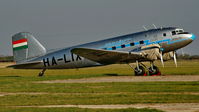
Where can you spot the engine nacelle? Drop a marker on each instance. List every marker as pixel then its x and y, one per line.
pixel 168 56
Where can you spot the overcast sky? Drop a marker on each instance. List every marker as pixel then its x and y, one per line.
pixel 64 23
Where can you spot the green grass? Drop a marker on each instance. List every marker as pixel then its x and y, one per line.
pixel 101 93
pixel 95 99
pixel 75 110
pixel 26 86
pixel 21 81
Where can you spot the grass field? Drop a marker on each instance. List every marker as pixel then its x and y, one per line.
pixel 17 89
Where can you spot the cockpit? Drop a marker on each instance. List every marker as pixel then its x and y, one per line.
pixel 179 31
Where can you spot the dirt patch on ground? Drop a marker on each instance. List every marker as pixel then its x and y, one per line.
pixel 2 94
pixel 128 79
pixel 171 107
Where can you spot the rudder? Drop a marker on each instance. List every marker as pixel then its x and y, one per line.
pixel 26 47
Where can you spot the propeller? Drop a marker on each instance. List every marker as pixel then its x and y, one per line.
pixel 182 51
pixel 161 58
pixel 175 60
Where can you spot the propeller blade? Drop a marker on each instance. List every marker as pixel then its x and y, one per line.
pixel 161 58
pixel 174 57
pixel 182 51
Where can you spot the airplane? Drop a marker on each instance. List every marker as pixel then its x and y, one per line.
pixel 145 46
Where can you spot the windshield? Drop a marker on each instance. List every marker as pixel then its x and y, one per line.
pixel 179 31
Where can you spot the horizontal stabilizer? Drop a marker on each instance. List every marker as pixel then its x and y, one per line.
pixel 24 65
pixel 105 56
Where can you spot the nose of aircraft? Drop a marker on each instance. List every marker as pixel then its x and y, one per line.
pixel 191 36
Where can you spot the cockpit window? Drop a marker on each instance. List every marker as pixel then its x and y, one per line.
pixel 178 31
pixel 181 31
pixel 173 32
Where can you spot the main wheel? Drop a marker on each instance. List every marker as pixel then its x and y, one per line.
pixel 141 71
pixel 154 71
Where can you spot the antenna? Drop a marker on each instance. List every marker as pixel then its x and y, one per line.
pixel 154 26
pixel 144 27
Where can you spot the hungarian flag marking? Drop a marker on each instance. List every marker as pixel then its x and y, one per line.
pixel 20 44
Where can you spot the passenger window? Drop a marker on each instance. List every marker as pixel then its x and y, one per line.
pixel 164 34
pixel 114 48
pixel 142 42
pixel 123 46
pixel 132 44
pixel 105 48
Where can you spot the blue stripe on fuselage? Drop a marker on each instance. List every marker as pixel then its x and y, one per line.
pixel 147 42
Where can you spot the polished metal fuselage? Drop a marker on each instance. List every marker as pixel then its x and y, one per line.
pixel 64 59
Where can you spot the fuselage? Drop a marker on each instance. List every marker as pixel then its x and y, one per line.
pixel 170 39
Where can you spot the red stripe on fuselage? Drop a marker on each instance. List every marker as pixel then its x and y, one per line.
pixel 19 41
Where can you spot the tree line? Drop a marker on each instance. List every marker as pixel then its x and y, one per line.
pixel 6 59
pixel 187 56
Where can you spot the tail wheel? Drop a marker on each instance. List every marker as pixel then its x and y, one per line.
pixel 140 71
pixel 154 71
pixel 42 73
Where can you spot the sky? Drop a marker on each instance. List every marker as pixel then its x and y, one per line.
pixel 64 23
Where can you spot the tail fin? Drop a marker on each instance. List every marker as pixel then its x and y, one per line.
pixel 25 47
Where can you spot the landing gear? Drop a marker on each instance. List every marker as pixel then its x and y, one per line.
pixel 42 73
pixel 154 71
pixel 142 70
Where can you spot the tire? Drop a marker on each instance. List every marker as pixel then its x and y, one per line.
pixel 41 74
pixel 154 71
pixel 140 72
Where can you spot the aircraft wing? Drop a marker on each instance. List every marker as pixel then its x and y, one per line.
pixel 107 57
